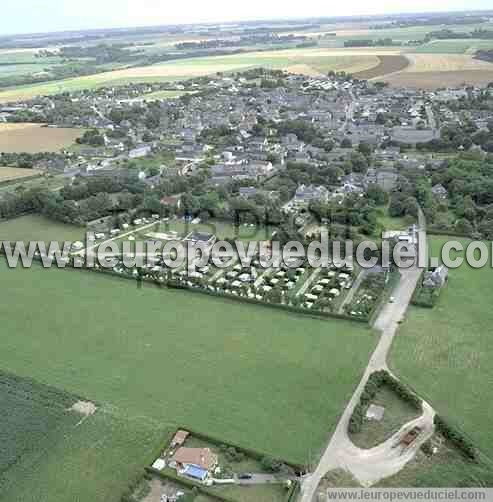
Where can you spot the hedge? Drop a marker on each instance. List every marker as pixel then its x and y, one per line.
pixel 316 314
pixel 456 437
pixel 255 454
pixel 420 300
pixel 377 380
pixel 190 484
pixel 293 492
pixel 451 233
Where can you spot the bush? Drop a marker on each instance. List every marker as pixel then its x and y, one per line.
pixel 271 464
pixel 456 437
pixel 374 383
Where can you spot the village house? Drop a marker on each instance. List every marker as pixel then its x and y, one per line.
pixel 439 192
pixel 304 195
pixel 195 463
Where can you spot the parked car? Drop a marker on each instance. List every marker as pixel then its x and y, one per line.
pixel 245 475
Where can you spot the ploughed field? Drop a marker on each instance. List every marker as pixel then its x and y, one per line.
pixel 33 138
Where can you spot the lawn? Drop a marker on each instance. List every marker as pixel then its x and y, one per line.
pixel 445 353
pixel 257 377
pixel 397 413
pixel 39 228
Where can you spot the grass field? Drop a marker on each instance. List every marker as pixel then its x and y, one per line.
pixel 459 46
pixel 33 138
pixel 38 228
pixel 257 377
pixel 8 174
pixel 445 353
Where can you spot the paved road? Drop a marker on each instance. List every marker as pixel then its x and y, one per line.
pixel 264 479
pixel 349 112
pixel 369 466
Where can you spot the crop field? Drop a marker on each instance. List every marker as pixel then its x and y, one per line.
pixel 8 174
pixel 386 65
pixel 255 376
pixel 35 412
pixel 95 460
pixel 32 138
pixel 430 71
pixel 313 61
pixel 445 352
pixel 38 228
pixel 459 46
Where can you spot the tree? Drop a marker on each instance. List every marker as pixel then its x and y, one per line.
pixel 272 465
pixel 464 226
pixel 365 149
pixel 92 138
pixel 346 143
pixel 377 195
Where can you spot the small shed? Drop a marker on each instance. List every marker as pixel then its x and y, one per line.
pixel 375 412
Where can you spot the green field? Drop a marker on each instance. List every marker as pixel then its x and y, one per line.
pixel 257 377
pixel 93 462
pixel 39 228
pixel 33 416
pixel 50 453
pixel 445 353
pixel 453 46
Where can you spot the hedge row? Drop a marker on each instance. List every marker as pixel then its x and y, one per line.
pixel 384 295
pixel 190 484
pixel 317 314
pixel 377 380
pixel 289 308
pixel 293 492
pixel 456 437
pixel 255 454
pixel 424 297
pixel 451 233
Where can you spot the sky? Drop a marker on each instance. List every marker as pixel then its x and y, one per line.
pixel 30 16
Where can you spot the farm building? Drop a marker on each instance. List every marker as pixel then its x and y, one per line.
pixel 179 439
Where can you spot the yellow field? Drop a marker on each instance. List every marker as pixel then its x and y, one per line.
pixel 433 71
pixel 445 62
pixel 33 138
pixel 312 61
pixel 14 173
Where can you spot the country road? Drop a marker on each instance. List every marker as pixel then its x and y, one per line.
pixel 369 466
